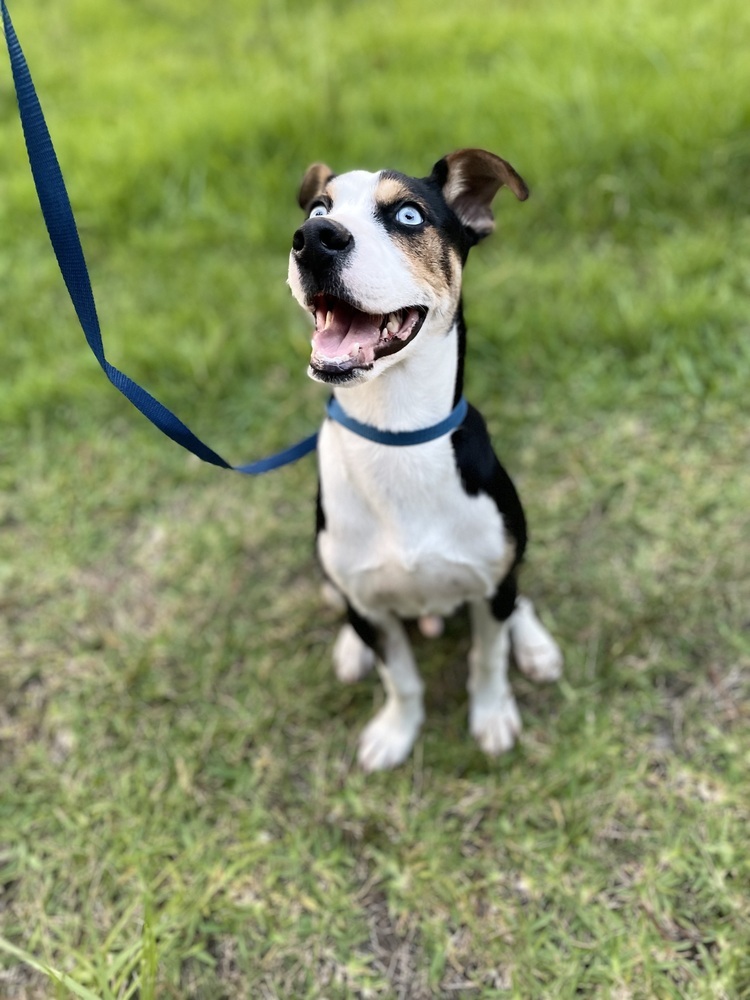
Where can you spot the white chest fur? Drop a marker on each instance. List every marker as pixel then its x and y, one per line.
pixel 402 535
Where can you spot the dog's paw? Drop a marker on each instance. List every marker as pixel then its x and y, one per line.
pixel 537 654
pixel 352 659
pixel 387 740
pixel 495 725
pixel 541 663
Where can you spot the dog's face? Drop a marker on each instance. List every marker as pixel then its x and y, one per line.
pixel 378 262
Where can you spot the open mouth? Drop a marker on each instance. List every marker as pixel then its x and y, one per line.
pixel 347 339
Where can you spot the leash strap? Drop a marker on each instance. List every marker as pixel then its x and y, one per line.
pixel 66 243
pixel 63 234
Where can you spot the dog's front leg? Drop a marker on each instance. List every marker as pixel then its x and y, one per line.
pixel 387 740
pixel 493 716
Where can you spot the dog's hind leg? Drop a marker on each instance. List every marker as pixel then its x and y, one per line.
pixel 388 738
pixel 535 651
pixel 356 648
pixel 493 716
pixel 352 658
pixel 332 596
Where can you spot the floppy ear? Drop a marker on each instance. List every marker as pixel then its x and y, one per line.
pixel 470 179
pixel 313 183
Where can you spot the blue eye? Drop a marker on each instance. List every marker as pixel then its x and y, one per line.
pixel 409 215
pixel 317 210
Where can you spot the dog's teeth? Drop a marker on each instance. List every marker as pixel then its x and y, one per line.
pixel 329 318
pixel 393 323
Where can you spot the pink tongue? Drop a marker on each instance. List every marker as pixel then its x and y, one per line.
pixel 346 329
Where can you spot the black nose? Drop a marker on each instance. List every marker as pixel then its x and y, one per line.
pixel 321 240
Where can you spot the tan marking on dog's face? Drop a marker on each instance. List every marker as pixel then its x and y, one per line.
pixel 390 190
pixel 431 258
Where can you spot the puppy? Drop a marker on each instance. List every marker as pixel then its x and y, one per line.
pixel 414 531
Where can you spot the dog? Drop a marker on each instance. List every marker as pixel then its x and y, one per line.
pixel 411 532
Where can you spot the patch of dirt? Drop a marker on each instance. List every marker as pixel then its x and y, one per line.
pixel 394 949
pixel 19 982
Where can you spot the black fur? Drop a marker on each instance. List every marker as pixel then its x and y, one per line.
pixel 503 600
pixel 367 632
pixel 461 326
pixel 427 192
pixel 481 472
pixel 320 514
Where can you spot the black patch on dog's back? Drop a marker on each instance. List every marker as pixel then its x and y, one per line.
pixel 481 472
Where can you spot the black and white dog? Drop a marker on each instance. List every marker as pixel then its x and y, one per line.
pixel 416 531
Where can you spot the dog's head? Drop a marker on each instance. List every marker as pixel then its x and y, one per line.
pixel 378 261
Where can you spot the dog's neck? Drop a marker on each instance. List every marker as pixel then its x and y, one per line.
pixel 418 391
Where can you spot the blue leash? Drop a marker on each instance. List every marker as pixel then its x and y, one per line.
pixel 63 234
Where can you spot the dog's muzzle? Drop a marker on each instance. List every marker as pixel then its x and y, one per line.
pixel 347 338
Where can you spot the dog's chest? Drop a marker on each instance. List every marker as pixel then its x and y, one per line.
pixel 401 533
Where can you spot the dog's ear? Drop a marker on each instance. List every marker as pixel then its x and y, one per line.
pixel 313 183
pixel 470 179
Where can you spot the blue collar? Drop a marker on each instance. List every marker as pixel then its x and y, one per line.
pixel 398 438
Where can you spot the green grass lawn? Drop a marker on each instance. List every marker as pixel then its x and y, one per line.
pixel 181 815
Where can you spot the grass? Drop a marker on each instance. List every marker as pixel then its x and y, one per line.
pixel 181 815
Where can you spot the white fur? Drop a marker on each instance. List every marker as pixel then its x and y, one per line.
pixel 388 738
pixel 352 660
pixel 536 652
pixel 403 538
pixel 493 716
pixel 393 541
